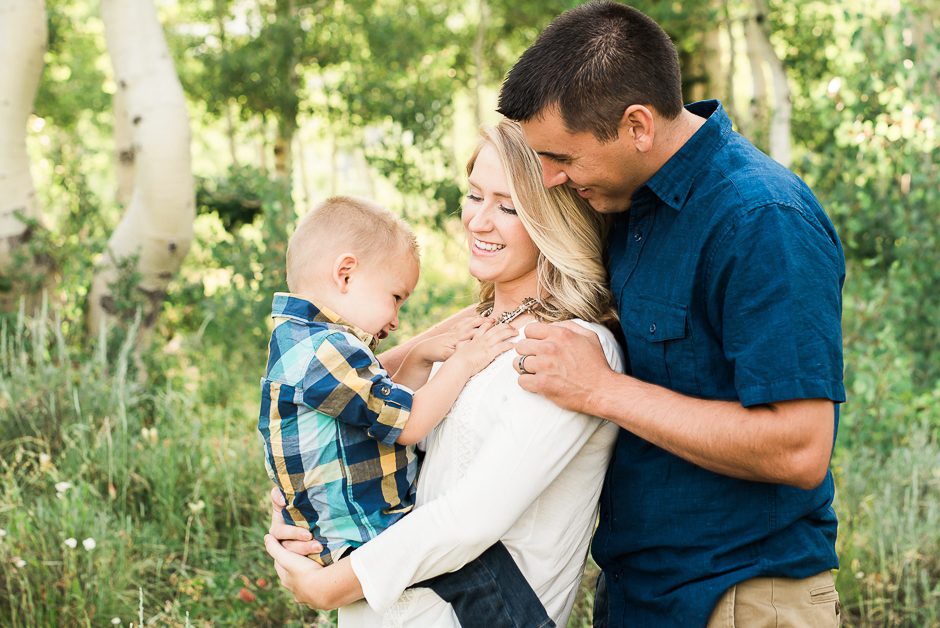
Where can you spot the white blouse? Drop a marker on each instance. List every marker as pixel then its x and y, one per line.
pixel 505 464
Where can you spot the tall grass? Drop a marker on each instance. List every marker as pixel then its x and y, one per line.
pixel 164 478
pixel 112 492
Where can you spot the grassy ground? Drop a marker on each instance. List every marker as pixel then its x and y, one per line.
pixel 123 502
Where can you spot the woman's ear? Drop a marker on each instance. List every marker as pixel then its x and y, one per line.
pixel 343 267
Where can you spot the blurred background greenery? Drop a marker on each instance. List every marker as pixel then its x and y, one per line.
pixel 131 481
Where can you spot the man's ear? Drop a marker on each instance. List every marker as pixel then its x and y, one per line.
pixel 637 125
pixel 343 267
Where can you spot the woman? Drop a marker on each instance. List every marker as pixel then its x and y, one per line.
pixel 505 464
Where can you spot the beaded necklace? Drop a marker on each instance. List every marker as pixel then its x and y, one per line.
pixel 528 304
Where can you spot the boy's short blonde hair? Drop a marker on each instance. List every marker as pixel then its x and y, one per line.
pixel 346 224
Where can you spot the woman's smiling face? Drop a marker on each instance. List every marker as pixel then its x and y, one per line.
pixel 501 250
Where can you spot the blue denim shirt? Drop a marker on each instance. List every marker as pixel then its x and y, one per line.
pixel 727 276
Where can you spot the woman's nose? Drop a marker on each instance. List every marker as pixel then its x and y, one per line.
pixel 552 175
pixel 481 219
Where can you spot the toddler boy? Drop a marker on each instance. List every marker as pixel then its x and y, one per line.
pixel 339 432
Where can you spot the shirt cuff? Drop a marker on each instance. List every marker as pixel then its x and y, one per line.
pixel 378 600
pixel 789 389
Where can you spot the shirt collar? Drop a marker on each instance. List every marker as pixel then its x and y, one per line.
pixel 672 182
pixel 298 308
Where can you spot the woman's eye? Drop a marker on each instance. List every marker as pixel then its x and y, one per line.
pixel 473 197
pixel 508 210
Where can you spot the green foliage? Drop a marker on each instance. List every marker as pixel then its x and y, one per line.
pixel 865 113
pixel 74 81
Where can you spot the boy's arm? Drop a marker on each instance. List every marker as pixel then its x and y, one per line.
pixel 432 401
pixel 394 358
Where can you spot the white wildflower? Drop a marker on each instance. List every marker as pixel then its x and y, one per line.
pixel 89 544
pixel 45 460
pixel 71 543
pixel 197 506
pixel 18 562
pixel 3 533
pixel 115 621
pixel 62 487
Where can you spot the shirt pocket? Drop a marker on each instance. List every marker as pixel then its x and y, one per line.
pixel 659 343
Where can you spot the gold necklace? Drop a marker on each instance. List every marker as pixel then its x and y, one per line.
pixel 528 304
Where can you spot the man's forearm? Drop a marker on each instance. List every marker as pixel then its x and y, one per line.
pixel 785 443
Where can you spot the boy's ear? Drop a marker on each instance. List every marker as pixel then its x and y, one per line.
pixel 343 267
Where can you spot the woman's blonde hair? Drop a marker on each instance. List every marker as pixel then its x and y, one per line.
pixel 572 279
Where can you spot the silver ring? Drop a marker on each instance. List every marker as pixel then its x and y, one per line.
pixel 520 364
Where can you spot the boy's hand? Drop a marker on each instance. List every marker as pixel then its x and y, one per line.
pixel 440 347
pixel 488 341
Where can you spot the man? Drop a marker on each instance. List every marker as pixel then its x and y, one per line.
pixel 727 273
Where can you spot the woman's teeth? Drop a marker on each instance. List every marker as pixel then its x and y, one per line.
pixel 487 246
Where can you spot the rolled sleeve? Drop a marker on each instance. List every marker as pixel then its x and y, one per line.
pixel 346 382
pixel 777 276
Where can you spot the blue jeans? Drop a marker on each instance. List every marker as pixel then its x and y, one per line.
pixel 491 592
pixel 600 603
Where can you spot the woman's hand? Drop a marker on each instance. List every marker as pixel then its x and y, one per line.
pixel 297 574
pixel 310 583
pixel 293 538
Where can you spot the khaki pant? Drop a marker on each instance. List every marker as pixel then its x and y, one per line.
pixel 779 603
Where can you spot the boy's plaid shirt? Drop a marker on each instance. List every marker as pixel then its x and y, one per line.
pixel 330 416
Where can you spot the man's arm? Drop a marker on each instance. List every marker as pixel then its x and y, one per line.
pixel 789 442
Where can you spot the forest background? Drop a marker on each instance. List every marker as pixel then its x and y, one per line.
pixel 135 290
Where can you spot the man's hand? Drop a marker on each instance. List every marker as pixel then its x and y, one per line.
pixel 293 538
pixel 564 362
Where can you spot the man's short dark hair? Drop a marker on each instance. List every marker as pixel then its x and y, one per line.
pixel 593 62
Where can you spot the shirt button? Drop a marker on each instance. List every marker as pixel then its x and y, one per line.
pixel 652 328
pixel 637 236
pixel 385 390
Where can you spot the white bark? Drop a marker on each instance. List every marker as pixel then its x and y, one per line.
pixel 125 154
pixel 781 107
pixel 732 64
pixel 22 46
pixel 158 223
pixel 753 38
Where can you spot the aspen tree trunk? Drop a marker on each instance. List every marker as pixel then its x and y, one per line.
pixel 732 64
pixel 287 117
pixel 479 58
pixel 125 156
pixel 157 227
pixel 22 46
pixel 717 86
pixel 781 107
pixel 755 57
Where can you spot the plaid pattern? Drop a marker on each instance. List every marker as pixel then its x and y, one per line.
pixel 329 418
